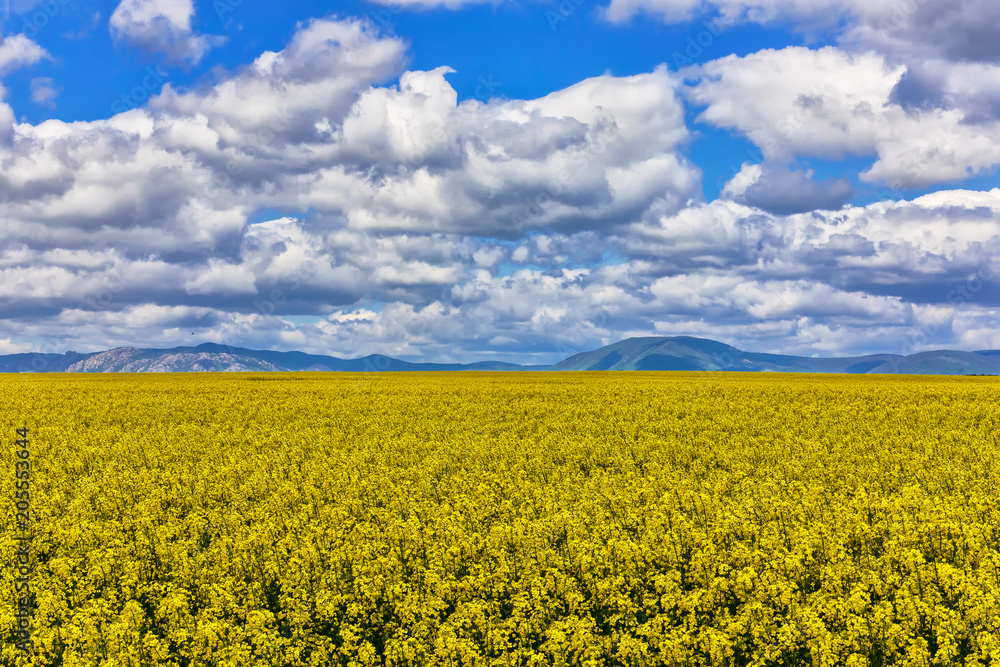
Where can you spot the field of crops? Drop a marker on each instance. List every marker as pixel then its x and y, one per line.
pixel 234 520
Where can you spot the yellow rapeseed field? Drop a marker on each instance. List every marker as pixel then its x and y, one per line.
pixel 219 520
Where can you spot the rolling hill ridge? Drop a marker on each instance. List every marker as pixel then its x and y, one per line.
pixel 662 353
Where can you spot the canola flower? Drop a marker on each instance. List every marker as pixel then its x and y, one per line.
pixel 507 519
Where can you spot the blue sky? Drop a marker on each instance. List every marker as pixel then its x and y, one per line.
pixel 510 180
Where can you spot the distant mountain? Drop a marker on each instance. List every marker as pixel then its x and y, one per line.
pixel 674 353
pixel 684 353
pixel 212 357
pixel 132 360
pixel 35 362
pixel 949 362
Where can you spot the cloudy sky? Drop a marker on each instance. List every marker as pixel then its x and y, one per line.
pixel 454 180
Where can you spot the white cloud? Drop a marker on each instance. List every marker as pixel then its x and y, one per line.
pixel 162 26
pixel 801 283
pixel 429 4
pixel 44 91
pixel 957 31
pixel 320 73
pixel 829 103
pixel 812 13
pixel 587 156
pixel 799 101
pixel 222 279
pixel 783 190
pixel 6 119
pixel 7 346
pixel 915 83
pixel 19 51
pixel 966 30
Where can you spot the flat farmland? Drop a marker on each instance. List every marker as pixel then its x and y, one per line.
pixel 506 519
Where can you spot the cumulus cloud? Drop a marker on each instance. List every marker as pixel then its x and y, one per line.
pixel 797 100
pixel 783 190
pixel 814 12
pixel 804 282
pixel 971 89
pixel 828 103
pixel 602 150
pixel 161 26
pixel 19 51
pixel 916 84
pixel 968 30
pixel 914 250
pixel 306 128
pixel 44 91
pixel 286 96
pixel 394 176
pixel 965 31
pixel 428 4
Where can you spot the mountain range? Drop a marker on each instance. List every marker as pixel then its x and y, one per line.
pixel 670 353
pixel 684 353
